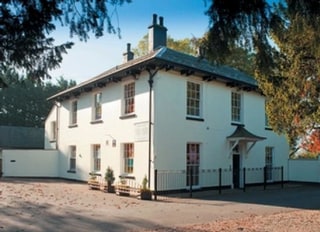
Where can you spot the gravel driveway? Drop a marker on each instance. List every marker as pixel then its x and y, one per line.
pixel 58 205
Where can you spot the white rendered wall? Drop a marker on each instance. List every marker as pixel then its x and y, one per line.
pixel 304 170
pixel 172 131
pixel 30 163
pixel 85 134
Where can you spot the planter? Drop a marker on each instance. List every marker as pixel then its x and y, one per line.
pixel 146 195
pixel 110 188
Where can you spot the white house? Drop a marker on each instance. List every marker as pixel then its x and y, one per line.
pixel 165 111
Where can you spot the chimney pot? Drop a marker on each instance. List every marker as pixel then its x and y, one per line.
pixel 154 19
pixel 161 21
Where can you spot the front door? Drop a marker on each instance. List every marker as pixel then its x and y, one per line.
pixel 236 170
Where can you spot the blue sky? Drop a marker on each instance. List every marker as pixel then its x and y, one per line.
pixel 183 19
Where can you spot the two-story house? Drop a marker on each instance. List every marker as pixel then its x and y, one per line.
pixel 166 111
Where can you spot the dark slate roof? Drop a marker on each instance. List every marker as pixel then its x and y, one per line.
pixel 166 59
pixel 242 134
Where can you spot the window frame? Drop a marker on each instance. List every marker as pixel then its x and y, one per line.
pixel 129 93
pixel 269 153
pixel 72 158
pixel 97 106
pixel 73 112
pixel 96 156
pixel 193 99
pixel 236 109
pixel 193 158
pixel 53 131
pixel 128 158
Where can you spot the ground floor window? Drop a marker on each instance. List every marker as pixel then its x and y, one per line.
pixel 193 163
pixel 128 150
pixel 96 157
pixel 269 162
pixel 72 158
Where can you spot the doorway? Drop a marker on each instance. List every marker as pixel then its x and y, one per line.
pixel 236 170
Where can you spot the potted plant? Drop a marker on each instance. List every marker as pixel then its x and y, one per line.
pixel 145 192
pixel 109 178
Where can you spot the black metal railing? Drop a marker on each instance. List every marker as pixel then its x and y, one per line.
pixel 175 182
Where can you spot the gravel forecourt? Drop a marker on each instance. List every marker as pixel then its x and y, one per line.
pixel 60 205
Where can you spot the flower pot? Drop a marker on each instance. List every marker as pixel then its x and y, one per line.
pixel 146 195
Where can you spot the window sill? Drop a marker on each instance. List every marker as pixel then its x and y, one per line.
pixel 237 124
pixel 71 171
pixel 128 116
pixel 195 119
pixel 73 125
pixel 96 121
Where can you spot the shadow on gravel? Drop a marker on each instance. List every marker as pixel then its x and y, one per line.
pixel 28 216
pixel 293 195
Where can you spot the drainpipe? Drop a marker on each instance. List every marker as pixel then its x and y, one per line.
pixel 150 81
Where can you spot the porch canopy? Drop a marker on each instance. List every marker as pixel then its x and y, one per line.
pixel 244 136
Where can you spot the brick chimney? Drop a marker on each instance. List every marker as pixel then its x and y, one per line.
pixel 129 55
pixel 157 34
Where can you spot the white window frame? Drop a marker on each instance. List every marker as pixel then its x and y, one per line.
pixel 53 130
pixel 73 112
pixel 72 158
pixel 193 153
pixel 269 162
pixel 96 155
pixel 128 158
pixel 129 93
pixel 97 106
pixel 194 99
pixel 236 107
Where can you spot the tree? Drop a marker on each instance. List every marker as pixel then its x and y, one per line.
pixel 312 143
pixel 25 102
pixel 284 37
pixel 25 27
pixel 188 46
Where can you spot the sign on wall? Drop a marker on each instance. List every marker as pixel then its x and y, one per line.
pixel 141 131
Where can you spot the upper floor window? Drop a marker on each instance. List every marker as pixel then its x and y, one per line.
pixel 96 157
pixel 73 112
pixel 129 94
pixel 193 99
pixel 236 107
pixel 97 106
pixel 128 150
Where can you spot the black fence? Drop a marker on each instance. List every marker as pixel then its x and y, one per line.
pixel 174 182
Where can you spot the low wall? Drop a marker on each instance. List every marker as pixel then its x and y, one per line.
pixel 304 170
pixel 30 163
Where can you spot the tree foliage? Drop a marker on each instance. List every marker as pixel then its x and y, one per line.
pixel 25 102
pixel 312 143
pixel 284 37
pixel 188 46
pixel 25 27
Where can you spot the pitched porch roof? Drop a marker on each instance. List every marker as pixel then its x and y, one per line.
pixel 242 135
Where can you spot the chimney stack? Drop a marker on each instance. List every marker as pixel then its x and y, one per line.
pixel 127 56
pixel 157 34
